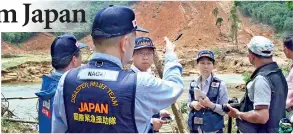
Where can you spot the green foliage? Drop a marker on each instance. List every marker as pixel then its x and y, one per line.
pixel 289 4
pixel 288 24
pixel 219 21
pixel 277 22
pixel 286 70
pixel 78 35
pixel 16 38
pixel 16 127
pixel 237 3
pixel 92 8
pixel 234 25
pixel 246 77
pixel 216 11
pixel 274 13
pixel 216 51
pixel 183 107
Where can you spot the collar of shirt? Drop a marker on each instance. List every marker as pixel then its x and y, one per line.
pixel 207 81
pixel 107 57
pixel 135 69
pixel 58 73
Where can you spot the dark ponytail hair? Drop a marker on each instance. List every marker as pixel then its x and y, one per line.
pixel 288 42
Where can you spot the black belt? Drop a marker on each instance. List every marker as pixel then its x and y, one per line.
pixel 289 109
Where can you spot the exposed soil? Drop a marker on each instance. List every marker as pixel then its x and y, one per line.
pixel 194 19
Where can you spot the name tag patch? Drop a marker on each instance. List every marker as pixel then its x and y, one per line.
pixel 98 74
pixel 215 84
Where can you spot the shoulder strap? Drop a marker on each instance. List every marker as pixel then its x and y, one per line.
pixel 191 90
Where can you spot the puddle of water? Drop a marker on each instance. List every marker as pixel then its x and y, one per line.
pixel 24 109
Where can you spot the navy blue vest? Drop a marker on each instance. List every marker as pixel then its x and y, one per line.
pixel 97 105
pixel 212 121
pixel 279 92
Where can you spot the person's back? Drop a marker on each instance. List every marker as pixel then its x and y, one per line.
pixel 118 89
pixel 101 96
pixel 65 53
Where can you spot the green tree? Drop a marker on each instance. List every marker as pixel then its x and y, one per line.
pixel 216 11
pixel 219 19
pixel 246 77
pixel 289 4
pixel 93 7
pixel 277 22
pixel 273 13
pixel 16 37
pixel 288 25
pixel 234 25
pixel 219 24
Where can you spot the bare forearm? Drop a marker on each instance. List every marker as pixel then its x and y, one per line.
pixel 255 116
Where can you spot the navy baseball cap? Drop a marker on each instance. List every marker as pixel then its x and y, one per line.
pixel 205 53
pixel 114 21
pixel 143 42
pixel 64 46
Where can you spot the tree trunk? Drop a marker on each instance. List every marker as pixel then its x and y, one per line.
pixel 176 111
pixel 236 37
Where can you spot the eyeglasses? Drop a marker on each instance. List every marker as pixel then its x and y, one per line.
pixel 144 54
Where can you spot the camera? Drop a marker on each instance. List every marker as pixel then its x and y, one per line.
pixel 233 102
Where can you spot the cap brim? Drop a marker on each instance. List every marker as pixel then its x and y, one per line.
pixel 204 57
pixel 141 29
pixel 82 45
pixel 145 47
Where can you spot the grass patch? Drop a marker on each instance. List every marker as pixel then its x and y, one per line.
pixel 8 61
pixel 20 59
pixel 217 51
pixel 9 56
pixel 16 127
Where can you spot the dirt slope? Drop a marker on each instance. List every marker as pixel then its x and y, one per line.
pixel 7 48
pixel 197 23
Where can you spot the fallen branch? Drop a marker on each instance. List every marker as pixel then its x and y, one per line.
pixel 20 98
pixel 22 121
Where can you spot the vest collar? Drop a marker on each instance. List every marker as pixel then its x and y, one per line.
pixel 269 66
pixel 111 58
